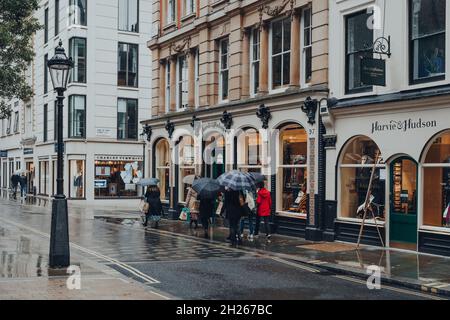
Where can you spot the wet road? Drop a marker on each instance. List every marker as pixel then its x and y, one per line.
pixel 181 266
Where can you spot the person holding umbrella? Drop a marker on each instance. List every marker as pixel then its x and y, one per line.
pixel 193 204
pixel 206 190
pixel 155 209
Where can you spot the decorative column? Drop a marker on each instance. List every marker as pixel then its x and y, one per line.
pixel 191 78
pixel 264 60
pixel 245 66
pixel 295 52
pixel 162 87
pixel 173 83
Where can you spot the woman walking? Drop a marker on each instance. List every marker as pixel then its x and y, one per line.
pixel 233 210
pixel 264 203
pixel 249 214
pixel 155 210
pixel 193 204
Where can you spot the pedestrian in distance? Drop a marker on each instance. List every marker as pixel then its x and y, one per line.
pixel 155 210
pixel 23 185
pixel 249 214
pixel 193 204
pixel 206 210
pixel 233 210
pixel 15 179
pixel 264 205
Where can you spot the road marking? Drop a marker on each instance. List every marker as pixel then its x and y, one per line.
pixel 295 265
pixel 404 291
pixel 137 273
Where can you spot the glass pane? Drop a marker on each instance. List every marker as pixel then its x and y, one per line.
pixel 163 174
pixel 354 70
pixel 162 154
pixel 286 68
pixel 427 17
pixel 133 23
pixel 308 64
pixel 361 150
pixel 249 148
pixel 440 150
pixel 122 68
pixel 132 65
pixel 255 77
pixel 132 119
pixel 295 146
pixel 276 71
pixel 117 179
pixel 307 18
pixel 121 119
pixel 429 57
pixel 76 179
pixel 287 34
pixel 277 39
pixel 294 186
pixel 224 85
pixel 354 184
pixel 183 186
pixel 436 195
pixel 359 36
pixel 404 186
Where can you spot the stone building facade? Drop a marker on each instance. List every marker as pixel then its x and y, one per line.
pixel 236 85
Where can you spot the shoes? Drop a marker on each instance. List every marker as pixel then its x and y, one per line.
pixel 242 236
pixel 269 236
pixel 250 237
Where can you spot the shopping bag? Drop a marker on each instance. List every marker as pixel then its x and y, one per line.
pixel 184 215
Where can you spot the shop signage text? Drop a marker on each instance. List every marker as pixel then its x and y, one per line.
pixel 403 125
pixel 100 184
pixel 28 151
pixel 3 153
pixel 373 72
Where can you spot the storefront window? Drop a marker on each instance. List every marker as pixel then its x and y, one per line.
pixel 214 155
pixel 249 151
pixel 44 177
pixel 77 177
pixel 163 168
pixel 185 151
pixel 117 178
pixel 436 179
pixel 355 171
pixel 292 172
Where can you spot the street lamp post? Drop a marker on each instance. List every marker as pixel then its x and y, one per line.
pixel 59 66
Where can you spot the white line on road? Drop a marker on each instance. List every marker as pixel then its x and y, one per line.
pixel 404 291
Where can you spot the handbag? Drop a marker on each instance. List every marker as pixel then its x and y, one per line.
pixel 185 214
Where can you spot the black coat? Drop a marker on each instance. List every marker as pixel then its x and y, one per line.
pixel 233 209
pixel 154 200
pixel 15 179
pixel 206 208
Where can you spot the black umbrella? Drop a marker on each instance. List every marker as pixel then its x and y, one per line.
pixel 206 188
pixel 258 177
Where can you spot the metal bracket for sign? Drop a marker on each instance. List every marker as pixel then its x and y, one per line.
pixel 382 46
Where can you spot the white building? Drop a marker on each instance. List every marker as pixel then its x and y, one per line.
pixel 406 121
pixel 107 97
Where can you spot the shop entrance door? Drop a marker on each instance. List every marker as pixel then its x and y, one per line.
pixel 403 204
pixel 214 156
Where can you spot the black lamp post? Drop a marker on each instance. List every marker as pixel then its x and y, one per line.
pixel 60 66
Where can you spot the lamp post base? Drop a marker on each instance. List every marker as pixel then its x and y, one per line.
pixel 59 238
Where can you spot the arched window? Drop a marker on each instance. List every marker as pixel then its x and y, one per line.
pixel 214 155
pixel 436 183
pixel 163 167
pixel 249 150
pixel 356 167
pixel 292 170
pixel 186 162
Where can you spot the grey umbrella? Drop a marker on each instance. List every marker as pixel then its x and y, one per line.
pixel 237 180
pixel 148 182
pixel 206 188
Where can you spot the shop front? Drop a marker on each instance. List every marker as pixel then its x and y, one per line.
pixel 115 177
pixel 409 149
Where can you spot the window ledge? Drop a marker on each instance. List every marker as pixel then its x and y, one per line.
pixel 77 84
pixel 218 2
pixel 358 221
pixel 127 88
pixel 189 16
pixel 439 230
pixel 290 215
pixel 170 25
pixel 77 26
pixel 129 33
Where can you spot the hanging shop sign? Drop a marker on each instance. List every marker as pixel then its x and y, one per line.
pixel 3 153
pixel 28 151
pixel 373 72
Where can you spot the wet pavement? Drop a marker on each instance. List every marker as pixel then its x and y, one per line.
pixel 175 262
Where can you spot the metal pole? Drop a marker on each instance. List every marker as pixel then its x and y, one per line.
pixel 59 256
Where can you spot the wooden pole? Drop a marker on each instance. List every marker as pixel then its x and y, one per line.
pixel 366 203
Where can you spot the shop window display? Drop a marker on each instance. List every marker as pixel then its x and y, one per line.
pixel 436 180
pixel 293 170
pixel 163 168
pixel 249 151
pixel 117 179
pixel 76 172
pixel 355 170
pixel 44 177
pixel 185 151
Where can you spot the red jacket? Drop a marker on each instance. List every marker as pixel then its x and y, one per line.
pixel 264 202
